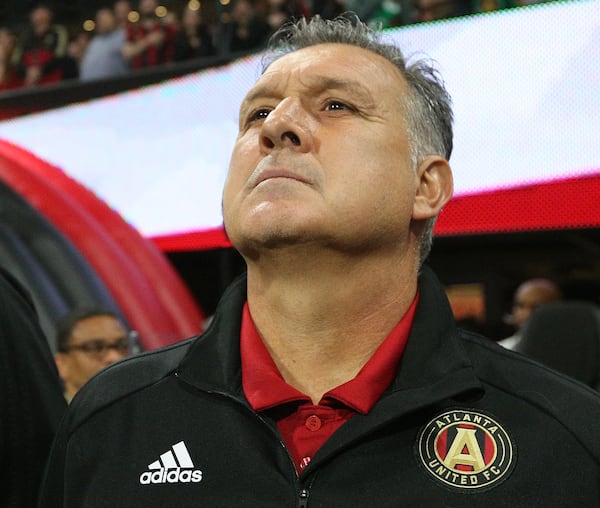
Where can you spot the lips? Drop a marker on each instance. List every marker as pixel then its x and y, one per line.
pixel 267 170
pixel 272 173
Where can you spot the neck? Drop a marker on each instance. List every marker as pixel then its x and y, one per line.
pixel 322 317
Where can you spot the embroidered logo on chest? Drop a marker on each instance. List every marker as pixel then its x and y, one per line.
pixel 466 450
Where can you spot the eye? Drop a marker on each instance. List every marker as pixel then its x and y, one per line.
pixel 258 115
pixel 93 346
pixel 336 105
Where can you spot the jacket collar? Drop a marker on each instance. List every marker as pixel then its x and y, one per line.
pixel 434 365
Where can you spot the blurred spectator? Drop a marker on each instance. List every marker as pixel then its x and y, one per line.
pixel 390 13
pixel 329 9
pixel 528 296
pixel 71 62
pixel 247 30
pixel 30 397
pixel 149 41
pixel 122 8
pixel 8 73
pixel 88 340
pixel 103 57
pixel 365 9
pixel 278 12
pixel 492 5
pixel 171 19
pixel 194 39
pixel 42 48
pixel 430 10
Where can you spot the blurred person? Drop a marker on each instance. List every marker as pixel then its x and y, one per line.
pixel 365 9
pixel 42 48
pixel 333 373
pixel 103 57
pixel 390 13
pixel 431 10
pixel 31 401
pixel 492 5
pixel 194 39
pixel 8 72
pixel 528 296
pixel 170 18
pixel 76 48
pixel 248 30
pixel 329 9
pixel 87 341
pixel 150 41
pixel 278 12
pixel 122 8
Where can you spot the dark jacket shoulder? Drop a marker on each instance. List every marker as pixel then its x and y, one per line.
pixel 125 378
pixel 562 398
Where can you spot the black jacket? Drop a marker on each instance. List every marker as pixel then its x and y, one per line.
pixel 31 399
pixel 464 424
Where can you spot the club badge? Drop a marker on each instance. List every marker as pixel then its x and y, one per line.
pixel 466 450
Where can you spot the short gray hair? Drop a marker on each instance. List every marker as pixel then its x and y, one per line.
pixel 429 106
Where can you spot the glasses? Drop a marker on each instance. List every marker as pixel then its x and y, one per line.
pixel 99 348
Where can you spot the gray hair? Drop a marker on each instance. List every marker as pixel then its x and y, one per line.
pixel 428 108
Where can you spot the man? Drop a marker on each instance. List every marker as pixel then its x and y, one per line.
pixel 103 57
pixel 42 49
pixel 87 341
pixel 8 73
pixel 333 375
pixel 149 41
pixel 31 403
pixel 529 295
pixel 122 8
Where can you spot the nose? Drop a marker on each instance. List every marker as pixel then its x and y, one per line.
pixel 287 126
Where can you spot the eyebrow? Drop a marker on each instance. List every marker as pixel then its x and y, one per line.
pixel 317 85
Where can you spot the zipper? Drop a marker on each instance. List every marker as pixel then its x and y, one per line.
pixel 303 498
pixel 304 492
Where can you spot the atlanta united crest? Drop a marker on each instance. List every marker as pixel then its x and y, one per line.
pixel 466 450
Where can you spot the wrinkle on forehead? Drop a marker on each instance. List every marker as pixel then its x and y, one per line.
pixel 330 66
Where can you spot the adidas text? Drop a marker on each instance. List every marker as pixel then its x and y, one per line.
pixel 173 466
pixel 176 475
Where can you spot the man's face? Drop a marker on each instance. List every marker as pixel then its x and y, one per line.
pixel 147 7
pixel 41 18
pixel 121 10
pixel 322 155
pixel 78 365
pixel 528 297
pixel 105 21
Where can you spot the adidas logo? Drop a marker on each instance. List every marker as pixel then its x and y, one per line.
pixel 174 466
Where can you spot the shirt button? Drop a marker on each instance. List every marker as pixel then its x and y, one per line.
pixel 313 423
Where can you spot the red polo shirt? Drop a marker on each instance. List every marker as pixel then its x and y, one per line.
pixel 303 425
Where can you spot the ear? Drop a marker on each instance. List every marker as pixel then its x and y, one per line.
pixel 435 187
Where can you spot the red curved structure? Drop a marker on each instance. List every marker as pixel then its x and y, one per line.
pixel 143 283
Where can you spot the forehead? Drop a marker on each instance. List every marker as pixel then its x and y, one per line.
pixel 96 326
pixel 333 63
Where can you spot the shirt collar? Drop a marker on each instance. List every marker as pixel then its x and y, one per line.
pixel 265 388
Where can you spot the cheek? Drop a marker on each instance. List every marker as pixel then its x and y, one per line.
pixel 237 174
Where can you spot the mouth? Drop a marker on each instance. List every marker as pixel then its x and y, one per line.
pixel 263 175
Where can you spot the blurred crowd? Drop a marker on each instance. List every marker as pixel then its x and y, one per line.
pixel 126 35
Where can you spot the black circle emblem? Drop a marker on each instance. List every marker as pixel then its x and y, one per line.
pixel 466 450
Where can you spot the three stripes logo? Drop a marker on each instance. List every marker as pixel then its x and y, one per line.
pixel 174 466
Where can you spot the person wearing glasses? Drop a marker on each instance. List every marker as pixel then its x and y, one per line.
pixel 87 340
